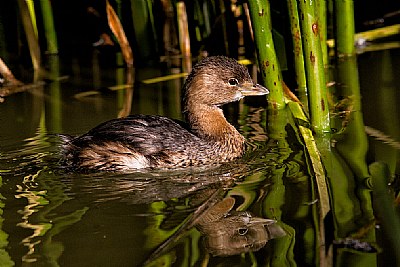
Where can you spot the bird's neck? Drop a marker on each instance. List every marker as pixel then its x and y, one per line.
pixel 209 122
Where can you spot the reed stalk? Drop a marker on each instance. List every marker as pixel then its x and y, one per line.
pixel 315 72
pixel 323 30
pixel 49 30
pixel 31 8
pixel 267 60
pixel 184 39
pixel 119 33
pixel 299 64
pixel 29 24
pixel 344 10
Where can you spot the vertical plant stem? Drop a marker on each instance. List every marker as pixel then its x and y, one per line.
pixel 118 31
pixel 314 67
pixel 267 59
pixel 31 7
pixel 344 10
pixel 49 31
pixel 299 64
pixel 322 26
pixel 184 39
pixel 31 37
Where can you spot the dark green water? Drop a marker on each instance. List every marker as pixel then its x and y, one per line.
pixel 52 218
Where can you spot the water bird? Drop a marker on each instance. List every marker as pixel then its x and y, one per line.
pixel 152 141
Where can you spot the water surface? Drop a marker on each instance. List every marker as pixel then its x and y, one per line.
pixel 54 218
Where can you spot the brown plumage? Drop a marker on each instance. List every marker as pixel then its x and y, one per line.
pixel 143 141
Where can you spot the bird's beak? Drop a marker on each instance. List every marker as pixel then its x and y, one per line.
pixel 257 220
pixel 249 89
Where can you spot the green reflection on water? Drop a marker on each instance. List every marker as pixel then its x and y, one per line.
pixel 278 183
pixel 5 258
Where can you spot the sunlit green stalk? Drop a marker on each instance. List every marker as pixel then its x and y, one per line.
pixel 267 60
pixel 29 27
pixel 318 104
pixel 49 31
pixel 299 64
pixel 31 7
pixel 322 26
pixel 344 10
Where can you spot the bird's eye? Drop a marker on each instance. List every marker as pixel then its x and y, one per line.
pixel 233 82
pixel 242 231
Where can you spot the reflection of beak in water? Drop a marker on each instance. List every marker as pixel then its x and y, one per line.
pixel 230 232
pixel 226 231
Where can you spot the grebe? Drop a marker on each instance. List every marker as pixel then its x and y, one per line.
pixel 151 141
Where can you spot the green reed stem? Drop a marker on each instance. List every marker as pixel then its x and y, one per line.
pixel 314 67
pixel 49 30
pixel 29 24
pixel 267 60
pixel 31 7
pixel 344 10
pixel 323 29
pixel 299 64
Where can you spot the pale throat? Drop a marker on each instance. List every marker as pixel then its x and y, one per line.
pixel 209 121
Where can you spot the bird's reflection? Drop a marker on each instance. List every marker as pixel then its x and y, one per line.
pixel 225 231
pixel 229 232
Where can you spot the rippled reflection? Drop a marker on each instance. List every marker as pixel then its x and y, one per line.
pixel 158 216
